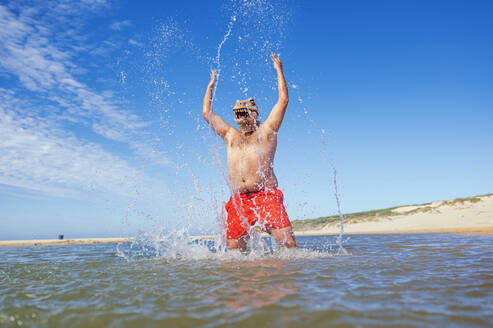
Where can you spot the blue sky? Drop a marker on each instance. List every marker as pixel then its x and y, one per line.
pixel 100 125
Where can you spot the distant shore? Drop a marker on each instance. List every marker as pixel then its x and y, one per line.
pixel 50 242
pixel 485 231
pixel 473 215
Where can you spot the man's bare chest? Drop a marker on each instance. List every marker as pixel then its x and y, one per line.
pixel 244 150
pixel 251 148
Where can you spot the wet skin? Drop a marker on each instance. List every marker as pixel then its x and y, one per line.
pixel 251 149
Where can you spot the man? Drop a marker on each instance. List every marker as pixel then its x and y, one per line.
pixel 250 151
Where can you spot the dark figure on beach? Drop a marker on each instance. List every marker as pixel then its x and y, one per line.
pixel 250 151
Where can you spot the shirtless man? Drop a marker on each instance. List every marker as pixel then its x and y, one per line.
pixel 250 151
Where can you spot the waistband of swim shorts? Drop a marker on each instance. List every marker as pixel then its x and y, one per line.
pixel 253 193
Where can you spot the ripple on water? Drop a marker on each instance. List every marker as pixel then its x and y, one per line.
pixel 377 285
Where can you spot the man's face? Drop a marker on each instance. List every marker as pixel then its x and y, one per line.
pixel 245 116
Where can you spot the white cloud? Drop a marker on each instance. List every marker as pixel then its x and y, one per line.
pixel 38 156
pixel 135 43
pixel 29 55
pixel 37 152
pixel 119 25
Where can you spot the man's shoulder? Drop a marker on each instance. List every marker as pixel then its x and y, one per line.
pixel 232 135
pixel 265 131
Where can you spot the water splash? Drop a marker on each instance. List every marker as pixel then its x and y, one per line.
pixel 341 250
pixel 218 56
pixel 220 214
pixel 313 124
pixel 179 245
pixel 255 29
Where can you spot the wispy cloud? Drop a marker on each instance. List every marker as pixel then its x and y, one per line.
pixel 135 43
pixel 119 25
pixel 38 151
pixel 38 155
pixel 28 54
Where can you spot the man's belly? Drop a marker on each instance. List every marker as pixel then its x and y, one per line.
pixel 250 169
pixel 252 182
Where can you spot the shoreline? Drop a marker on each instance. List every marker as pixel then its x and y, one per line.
pixel 479 231
pixel 471 216
pixel 54 242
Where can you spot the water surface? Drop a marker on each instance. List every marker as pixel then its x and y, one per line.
pixel 417 280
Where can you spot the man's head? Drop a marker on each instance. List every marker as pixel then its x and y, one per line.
pixel 246 114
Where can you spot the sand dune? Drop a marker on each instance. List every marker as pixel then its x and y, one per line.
pixel 471 215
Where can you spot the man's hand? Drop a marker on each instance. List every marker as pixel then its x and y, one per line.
pixel 277 62
pixel 213 79
pixel 222 128
pixel 273 122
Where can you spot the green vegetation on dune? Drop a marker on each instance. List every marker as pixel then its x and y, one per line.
pixel 321 222
pixel 461 201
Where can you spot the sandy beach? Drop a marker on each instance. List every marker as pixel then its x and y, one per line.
pixel 48 242
pixel 473 216
pixel 469 216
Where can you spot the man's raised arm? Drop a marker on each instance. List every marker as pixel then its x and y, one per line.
pixel 277 114
pixel 222 128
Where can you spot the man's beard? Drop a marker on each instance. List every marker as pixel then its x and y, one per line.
pixel 247 126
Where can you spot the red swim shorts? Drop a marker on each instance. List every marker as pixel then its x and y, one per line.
pixel 265 206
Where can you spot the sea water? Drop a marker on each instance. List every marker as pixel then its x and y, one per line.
pixel 380 280
pixel 413 280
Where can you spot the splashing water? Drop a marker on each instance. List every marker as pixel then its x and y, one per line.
pixel 341 250
pixel 216 147
pixel 254 30
pixel 218 56
pixel 180 246
pixel 323 134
